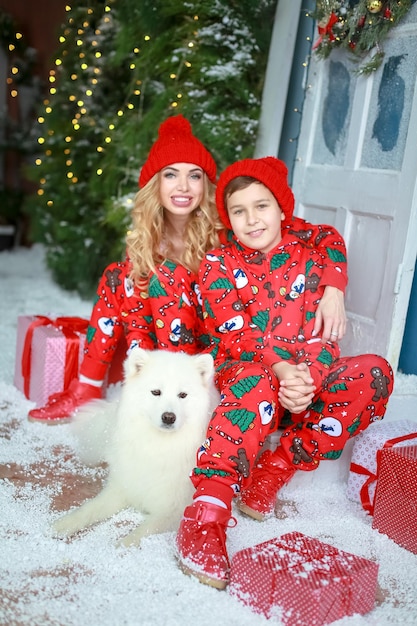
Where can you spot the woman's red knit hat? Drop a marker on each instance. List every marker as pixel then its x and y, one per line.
pixel 270 171
pixel 176 144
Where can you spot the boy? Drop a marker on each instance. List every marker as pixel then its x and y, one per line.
pixel 260 295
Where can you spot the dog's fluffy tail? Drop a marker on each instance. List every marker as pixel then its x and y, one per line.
pixel 93 426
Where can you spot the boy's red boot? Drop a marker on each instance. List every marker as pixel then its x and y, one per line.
pixel 61 406
pixel 201 543
pixel 272 471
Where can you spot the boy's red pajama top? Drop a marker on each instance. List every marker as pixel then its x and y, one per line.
pixel 259 309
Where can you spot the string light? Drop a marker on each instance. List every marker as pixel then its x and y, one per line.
pixel 86 57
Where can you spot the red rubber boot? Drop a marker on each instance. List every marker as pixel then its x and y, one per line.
pixel 201 543
pixel 61 406
pixel 272 472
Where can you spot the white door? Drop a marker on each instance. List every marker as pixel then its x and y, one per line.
pixel 356 168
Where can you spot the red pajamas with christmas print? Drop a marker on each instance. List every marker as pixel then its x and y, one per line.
pixel 168 316
pixel 259 310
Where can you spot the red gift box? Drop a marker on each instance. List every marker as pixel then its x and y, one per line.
pixel 48 354
pixel 363 475
pixel 301 580
pixel 395 512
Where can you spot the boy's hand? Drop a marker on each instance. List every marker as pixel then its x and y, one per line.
pixel 331 315
pixel 296 390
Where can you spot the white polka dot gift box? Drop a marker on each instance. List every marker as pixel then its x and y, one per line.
pixel 363 473
pixel 395 512
pixel 297 579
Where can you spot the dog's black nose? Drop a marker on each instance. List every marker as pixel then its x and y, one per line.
pixel 168 418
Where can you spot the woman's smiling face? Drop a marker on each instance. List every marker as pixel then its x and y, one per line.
pixel 181 188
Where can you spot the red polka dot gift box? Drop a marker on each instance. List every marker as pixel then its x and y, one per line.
pixel 395 512
pixel 364 471
pixel 301 581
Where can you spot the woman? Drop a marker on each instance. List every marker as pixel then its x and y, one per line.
pixel 152 296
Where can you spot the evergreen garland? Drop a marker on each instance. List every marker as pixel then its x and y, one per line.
pixel 122 67
pixel 359 26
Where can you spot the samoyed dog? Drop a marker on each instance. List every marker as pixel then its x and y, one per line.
pixel 149 438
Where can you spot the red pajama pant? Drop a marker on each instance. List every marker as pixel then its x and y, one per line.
pixel 167 316
pixel 353 395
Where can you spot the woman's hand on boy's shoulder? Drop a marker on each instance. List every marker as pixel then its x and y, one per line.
pixel 331 315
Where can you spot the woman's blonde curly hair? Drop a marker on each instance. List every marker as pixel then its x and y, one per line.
pixel 146 243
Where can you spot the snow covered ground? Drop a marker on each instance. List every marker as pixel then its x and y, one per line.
pixel 88 581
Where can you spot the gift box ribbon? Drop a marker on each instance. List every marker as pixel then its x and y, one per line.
pixel 371 477
pixel 70 327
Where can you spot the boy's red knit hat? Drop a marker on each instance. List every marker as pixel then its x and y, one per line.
pixel 176 144
pixel 270 171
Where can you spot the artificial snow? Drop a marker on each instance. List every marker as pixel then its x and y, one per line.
pixel 88 581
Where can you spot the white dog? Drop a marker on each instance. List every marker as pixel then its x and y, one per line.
pixel 149 440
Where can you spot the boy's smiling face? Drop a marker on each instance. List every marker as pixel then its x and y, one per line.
pixel 255 217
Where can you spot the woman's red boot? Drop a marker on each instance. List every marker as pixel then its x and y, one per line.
pixel 272 471
pixel 201 543
pixel 61 406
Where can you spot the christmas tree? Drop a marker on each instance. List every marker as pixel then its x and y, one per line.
pixel 121 68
